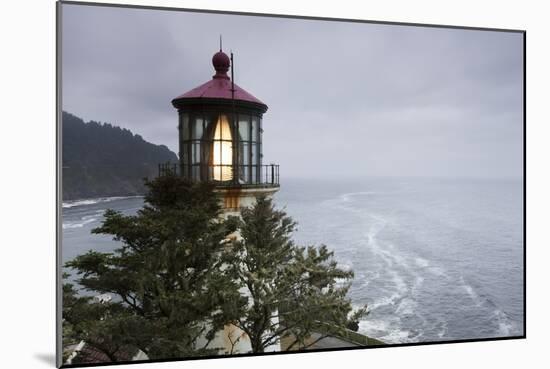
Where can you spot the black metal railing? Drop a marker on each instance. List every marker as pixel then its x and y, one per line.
pixel 226 175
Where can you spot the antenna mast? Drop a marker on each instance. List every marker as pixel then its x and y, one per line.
pixel 235 125
pixel 232 83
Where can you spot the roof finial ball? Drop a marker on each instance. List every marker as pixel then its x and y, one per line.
pixel 220 61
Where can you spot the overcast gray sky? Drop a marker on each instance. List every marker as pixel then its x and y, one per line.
pixel 346 99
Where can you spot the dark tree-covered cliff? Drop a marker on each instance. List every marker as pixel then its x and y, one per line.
pixel 101 160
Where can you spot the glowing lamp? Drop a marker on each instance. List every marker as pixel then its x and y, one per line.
pixel 222 151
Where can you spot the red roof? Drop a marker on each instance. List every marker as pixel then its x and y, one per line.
pixel 219 87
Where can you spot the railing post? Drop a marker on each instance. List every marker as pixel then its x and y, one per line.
pixel 272 174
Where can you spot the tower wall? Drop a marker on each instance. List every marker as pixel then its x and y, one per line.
pixel 232 340
pixel 235 199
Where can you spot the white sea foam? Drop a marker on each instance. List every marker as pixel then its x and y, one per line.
pixel 418 281
pixel 70 225
pixel 397 336
pixel 505 326
pixel 86 219
pixel 95 214
pixel 406 306
pixel 346 197
pixel 470 291
pixel 372 325
pixel 440 272
pixel 83 202
pixel 398 281
pixel 384 331
pixel 421 262
pixel 70 204
pixel 443 329
pixel 387 300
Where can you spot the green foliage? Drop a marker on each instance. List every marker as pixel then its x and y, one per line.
pixel 291 291
pixel 166 278
pixel 106 160
pixel 177 279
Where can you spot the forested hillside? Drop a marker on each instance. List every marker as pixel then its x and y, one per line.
pixel 100 159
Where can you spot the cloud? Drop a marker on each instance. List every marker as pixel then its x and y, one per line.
pixel 344 98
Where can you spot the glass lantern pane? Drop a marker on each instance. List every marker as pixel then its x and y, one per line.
pixel 196 152
pixel 254 180
pixel 184 154
pixel 196 172
pixel 254 154
pixel 255 129
pixel 207 122
pixel 244 127
pixel 245 153
pixel 184 127
pixel 197 128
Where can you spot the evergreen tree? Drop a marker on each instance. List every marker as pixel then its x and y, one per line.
pixel 291 291
pixel 170 294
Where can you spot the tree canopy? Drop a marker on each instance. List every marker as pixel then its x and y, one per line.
pixel 178 279
pixel 166 276
pixel 291 291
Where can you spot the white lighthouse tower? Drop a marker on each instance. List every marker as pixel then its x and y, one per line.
pixel 220 141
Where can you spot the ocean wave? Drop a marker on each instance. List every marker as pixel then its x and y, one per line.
pixel 418 281
pixel 397 336
pixel 407 306
pixel 86 219
pixel 71 225
pixel 384 301
pixel 383 330
pixel 442 329
pixel 435 270
pixel 346 197
pixel 421 262
pixel 506 326
pixel 343 201
pixel 470 292
pixel 369 325
pixel 84 202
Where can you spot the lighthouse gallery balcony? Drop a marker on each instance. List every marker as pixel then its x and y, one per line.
pixel 240 176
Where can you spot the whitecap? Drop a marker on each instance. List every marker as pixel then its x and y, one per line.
pixel 443 329
pixel 385 301
pixel 346 197
pixel 382 330
pixel 399 282
pixel 440 272
pixel 71 225
pixel 70 204
pixel 506 327
pixel 421 262
pixel 397 336
pixel 470 292
pixel 406 307
pixel 371 325
pixel 84 202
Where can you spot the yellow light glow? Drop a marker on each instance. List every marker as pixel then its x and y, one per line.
pixel 222 151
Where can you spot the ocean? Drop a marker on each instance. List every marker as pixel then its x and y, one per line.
pixel 434 259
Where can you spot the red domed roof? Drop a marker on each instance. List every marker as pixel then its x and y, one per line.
pixel 219 87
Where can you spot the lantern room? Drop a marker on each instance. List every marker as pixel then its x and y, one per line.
pixel 220 133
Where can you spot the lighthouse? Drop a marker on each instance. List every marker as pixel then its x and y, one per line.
pixel 220 142
pixel 220 139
